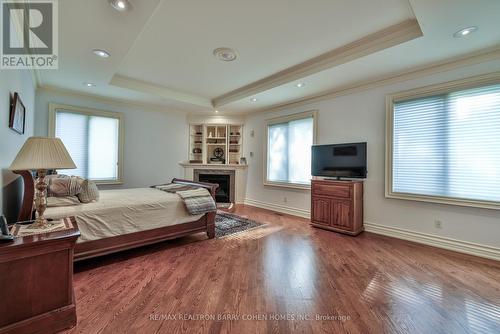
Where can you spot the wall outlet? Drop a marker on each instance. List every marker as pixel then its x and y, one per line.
pixel 438 224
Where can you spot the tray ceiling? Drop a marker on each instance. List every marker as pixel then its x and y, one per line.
pixel 161 51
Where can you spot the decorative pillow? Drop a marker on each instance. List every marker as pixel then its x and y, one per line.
pixel 62 185
pixel 62 201
pixel 89 191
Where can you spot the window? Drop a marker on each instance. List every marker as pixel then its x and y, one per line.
pixel 288 150
pixel 445 146
pixel 93 139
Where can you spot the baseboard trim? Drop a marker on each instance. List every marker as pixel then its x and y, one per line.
pixel 460 246
pixel 488 252
pixel 278 208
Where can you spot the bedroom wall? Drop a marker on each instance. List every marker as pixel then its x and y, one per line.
pixel 361 117
pixel 12 81
pixel 155 141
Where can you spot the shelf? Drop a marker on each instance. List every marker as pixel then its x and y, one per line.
pixel 221 139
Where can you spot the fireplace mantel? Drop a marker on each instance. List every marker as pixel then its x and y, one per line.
pixel 240 176
pixel 212 166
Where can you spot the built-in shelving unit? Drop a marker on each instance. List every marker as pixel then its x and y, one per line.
pixel 234 143
pixel 196 143
pixel 217 144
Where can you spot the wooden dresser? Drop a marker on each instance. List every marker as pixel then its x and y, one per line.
pixel 337 206
pixel 36 282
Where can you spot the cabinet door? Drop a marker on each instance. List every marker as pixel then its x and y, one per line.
pixel 341 214
pixel 321 210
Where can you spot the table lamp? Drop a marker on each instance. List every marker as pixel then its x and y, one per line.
pixel 41 154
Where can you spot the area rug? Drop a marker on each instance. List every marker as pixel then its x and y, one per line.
pixel 227 224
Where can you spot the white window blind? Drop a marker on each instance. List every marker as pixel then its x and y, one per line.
pixel 93 143
pixel 289 151
pixel 448 145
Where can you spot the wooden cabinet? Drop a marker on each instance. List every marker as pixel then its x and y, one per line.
pixel 36 280
pixel 321 210
pixel 337 206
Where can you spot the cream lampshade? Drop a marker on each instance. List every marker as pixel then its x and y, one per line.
pixel 41 154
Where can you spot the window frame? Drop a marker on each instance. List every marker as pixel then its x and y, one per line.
pixel 284 119
pixel 427 91
pixel 54 107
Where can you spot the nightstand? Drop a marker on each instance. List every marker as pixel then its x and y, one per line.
pixel 36 282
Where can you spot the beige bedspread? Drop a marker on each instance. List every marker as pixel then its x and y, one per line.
pixel 125 211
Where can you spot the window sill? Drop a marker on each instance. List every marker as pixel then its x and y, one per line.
pixel 107 183
pixel 288 185
pixel 445 200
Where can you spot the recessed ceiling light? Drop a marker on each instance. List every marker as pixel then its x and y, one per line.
pixel 225 54
pixel 101 53
pixel 216 111
pixel 300 85
pixel 120 5
pixel 465 32
pixel 89 84
pixel 253 99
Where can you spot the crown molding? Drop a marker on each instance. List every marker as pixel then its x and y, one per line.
pixel 383 39
pixel 108 100
pixel 145 87
pixel 477 57
pixel 473 58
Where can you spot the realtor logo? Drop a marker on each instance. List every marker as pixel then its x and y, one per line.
pixel 29 34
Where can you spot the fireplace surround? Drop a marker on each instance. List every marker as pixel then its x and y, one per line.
pixel 224 178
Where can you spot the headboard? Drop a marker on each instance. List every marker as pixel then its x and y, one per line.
pixel 27 207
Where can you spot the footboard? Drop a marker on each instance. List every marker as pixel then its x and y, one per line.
pixel 212 188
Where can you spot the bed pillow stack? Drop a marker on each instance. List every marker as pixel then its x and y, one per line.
pixel 62 185
pixel 64 190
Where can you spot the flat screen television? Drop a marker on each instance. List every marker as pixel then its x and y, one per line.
pixel 339 160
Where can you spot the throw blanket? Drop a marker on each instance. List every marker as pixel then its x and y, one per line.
pixel 197 200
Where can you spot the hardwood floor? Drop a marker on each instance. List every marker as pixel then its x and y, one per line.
pixel 366 284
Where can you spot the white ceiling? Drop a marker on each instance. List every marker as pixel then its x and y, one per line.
pixel 161 51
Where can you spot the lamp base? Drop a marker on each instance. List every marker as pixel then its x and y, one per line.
pixel 40 224
pixel 40 201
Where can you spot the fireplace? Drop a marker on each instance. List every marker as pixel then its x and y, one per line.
pixel 225 180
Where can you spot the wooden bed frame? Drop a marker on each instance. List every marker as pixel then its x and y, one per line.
pixel 118 243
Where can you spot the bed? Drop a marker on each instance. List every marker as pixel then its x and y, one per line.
pixel 126 218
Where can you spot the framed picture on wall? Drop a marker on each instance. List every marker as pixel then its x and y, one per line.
pixel 17 120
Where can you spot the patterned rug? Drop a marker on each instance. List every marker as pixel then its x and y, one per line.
pixel 226 224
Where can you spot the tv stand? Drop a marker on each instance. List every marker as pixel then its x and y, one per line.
pixel 337 205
